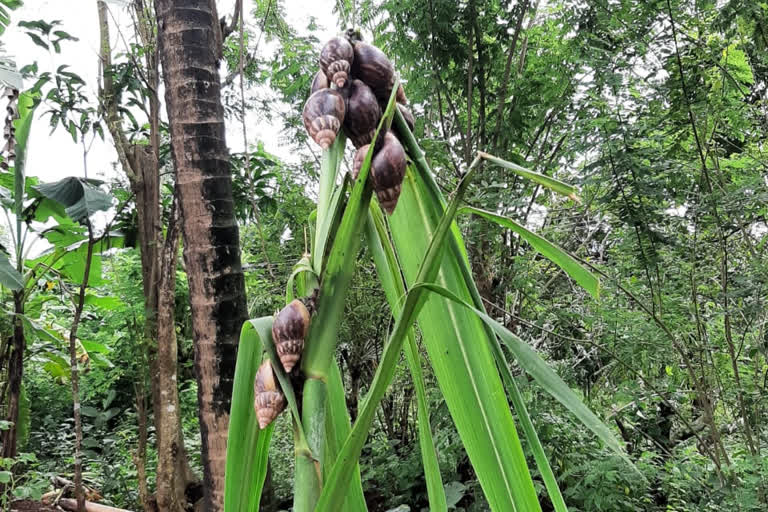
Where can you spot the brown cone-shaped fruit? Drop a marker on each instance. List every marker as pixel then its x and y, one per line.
pixel 323 115
pixel 388 171
pixel 268 400
pixel 375 69
pixel 289 329
pixel 362 114
pixel 319 82
pixel 336 59
pixel 357 163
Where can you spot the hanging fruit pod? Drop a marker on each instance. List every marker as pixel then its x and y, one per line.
pixel 357 162
pixel 388 171
pixel 336 59
pixel 289 329
pixel 268 400
pixel 323 114
pixel 373 67
pixel 319 82
pixel 362 114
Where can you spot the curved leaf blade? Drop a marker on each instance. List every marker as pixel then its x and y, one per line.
pixel 555 254
pixel 247 445
pixel 537 368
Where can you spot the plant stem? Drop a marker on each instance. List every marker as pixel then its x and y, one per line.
pixel 308 472
pixel 74 378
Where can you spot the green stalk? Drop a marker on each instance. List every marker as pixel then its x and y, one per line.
pixel 329 169
pixel 308 477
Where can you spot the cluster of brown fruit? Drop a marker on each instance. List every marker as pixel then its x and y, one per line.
pixel 350 92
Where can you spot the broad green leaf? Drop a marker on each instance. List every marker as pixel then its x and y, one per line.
pixel 9 276
pixel 555 254
pixel 80 196
pixel 22 127
pixel 110 303
pixel 247 445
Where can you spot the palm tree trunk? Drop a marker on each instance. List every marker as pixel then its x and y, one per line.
pixel 190 47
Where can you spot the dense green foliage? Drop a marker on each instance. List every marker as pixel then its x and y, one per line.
pixel 657 110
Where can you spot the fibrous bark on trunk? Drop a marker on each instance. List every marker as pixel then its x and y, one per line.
pixel 190 46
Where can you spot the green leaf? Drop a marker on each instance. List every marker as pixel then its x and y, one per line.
pixel 545 181
pixel 106 303
pixel 459 344
pixel 5 477
pixel 537 368
pixel 391 279
pixel 515 488
pixel 555 254
pixel 81 197
pixel 247 445
pixel 9 276
pixel 337 428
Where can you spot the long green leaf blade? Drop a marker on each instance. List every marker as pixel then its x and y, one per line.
pixel 9 276
pixel 462 362
pixel 337 428
pixel 537 368
pixel 513 488
pixel 392 282
pixel 555 254
pixel 545 181
pixel 247 445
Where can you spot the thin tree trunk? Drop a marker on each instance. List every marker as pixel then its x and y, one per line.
pixel 470 81
pixel 502 95
pixel 190 46
pixel 79 495
pixel 170 491
pixel 158 263
pixel 140 457
pixel 13 354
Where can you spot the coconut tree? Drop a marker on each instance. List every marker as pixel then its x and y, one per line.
pixel 189 36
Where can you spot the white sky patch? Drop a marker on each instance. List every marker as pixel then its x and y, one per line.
pixel 53 156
